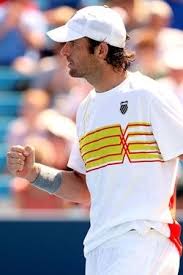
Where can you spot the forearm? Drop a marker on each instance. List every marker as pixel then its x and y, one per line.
pixel 69 185
pixel 74 187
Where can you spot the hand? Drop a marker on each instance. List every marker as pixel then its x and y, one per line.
pixel 21 162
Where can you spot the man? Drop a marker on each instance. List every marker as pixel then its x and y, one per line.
pixel 130 136
pixel 174 79
pixel 22 33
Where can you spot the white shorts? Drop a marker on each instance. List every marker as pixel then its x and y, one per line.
pixel 134 254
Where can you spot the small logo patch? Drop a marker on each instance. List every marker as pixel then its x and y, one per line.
pixel 124 107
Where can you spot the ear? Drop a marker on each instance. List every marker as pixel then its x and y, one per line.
pixel 101 50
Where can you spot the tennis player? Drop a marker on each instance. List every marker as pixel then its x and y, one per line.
pixel 130 137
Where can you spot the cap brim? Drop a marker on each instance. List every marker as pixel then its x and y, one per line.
pixel 63 34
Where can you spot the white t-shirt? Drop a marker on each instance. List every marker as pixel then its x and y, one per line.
pixel 129 140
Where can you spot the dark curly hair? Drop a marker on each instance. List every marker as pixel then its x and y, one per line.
pixel 117 57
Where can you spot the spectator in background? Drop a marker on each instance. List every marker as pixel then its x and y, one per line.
pixel 160 15
pixel 22 32
pixel 173 81
pixel 68 105
pixel 59 16
pixel 147 59
pixel 33 103
pixel 61 133
pixel 33 68
pixel 135 9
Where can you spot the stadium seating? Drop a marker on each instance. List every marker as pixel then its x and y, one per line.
pixel 12 80
pixel 10 103
pixel 4 122
pixel 5 185
pixel 3 150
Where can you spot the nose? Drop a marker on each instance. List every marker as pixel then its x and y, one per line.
pixel 65 50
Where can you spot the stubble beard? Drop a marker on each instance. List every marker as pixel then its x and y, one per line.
pixel 75 73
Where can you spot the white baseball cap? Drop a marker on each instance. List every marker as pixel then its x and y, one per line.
pixel 99 23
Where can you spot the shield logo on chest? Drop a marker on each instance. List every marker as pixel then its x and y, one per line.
pixel 124 107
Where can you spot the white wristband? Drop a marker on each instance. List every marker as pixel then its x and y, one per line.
pixel 49 179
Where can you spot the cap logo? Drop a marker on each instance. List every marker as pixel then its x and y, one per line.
pixel 124 107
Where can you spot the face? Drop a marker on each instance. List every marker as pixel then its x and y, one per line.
pixel 81 62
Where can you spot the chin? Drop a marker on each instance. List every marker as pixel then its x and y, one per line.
pixel 75 74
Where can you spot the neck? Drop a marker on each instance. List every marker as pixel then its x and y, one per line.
pixel 106 80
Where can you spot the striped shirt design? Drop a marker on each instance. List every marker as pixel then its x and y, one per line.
pixel 110 144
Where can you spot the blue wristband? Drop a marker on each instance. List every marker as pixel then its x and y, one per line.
pixel 48 179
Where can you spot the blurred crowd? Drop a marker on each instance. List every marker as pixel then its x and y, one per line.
pixel 46 118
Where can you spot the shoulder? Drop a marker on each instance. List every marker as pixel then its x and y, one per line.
pixel 141 82
pixel 150 89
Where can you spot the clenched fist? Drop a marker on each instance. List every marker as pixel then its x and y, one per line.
pixel 21 162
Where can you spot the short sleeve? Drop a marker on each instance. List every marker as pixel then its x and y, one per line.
pixel 166 115
pixel 75 160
